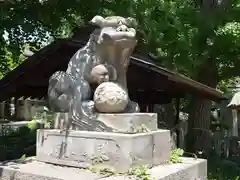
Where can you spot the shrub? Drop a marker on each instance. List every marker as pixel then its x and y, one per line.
pixel 16 142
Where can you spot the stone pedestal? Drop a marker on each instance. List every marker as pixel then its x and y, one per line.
pixel 129 122
pixel 118 141
pixel 121 123
pixel 103 149
pixel 189 169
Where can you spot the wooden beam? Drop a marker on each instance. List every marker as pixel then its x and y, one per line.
pixel 149 97
pixel 38 83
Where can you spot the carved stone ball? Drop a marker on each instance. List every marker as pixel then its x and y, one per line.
pixel 110 97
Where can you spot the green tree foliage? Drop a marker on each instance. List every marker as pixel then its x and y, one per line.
pixel 230 86
pixel 174 31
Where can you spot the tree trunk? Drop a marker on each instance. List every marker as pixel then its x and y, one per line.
pixel 199 135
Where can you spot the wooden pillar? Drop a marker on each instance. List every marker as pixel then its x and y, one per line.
pixel 150 108
pixel 143 107
pixel 235 122
pixel 2 107
pixel 7 113
pixel 24 110
pixel 16 108
pixel 177 121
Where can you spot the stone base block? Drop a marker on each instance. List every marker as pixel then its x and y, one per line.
pixel 119 151
pixel 190 169
pixel 122 122
pixel 130 122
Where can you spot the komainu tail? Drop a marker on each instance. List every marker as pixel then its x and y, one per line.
pixel 60 91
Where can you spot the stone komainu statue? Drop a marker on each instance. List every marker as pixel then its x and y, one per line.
pixel 105 57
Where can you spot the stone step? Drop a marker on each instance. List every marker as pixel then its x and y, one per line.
pixel 121 123
pixel 189 169
pixel 119 151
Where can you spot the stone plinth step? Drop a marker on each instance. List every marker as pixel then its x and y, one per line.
pixel 190 169
pixel 122 122
pixel 119 151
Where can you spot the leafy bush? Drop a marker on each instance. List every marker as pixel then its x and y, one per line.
pixel 16 142
pixel 175 156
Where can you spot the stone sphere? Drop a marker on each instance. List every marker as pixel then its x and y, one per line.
pixel 110 97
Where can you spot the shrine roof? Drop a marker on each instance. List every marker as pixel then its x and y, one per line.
pixel 145 78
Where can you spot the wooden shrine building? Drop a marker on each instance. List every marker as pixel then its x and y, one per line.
pixel 147 82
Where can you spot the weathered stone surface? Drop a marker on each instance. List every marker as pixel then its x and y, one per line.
pixel 129 122
pixel 34 170
pixel 190 169
pixel 115 150
pixel 121 122
pixel 110 97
